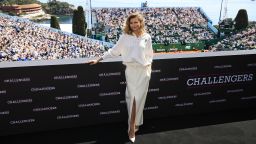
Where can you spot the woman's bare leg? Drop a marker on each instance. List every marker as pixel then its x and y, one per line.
pixel 132 122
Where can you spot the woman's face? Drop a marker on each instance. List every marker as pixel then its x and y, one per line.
pixel 135 24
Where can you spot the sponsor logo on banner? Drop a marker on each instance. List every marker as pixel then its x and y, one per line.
pixel 184 104
pixel 167 97
pixel 122 102
pixel 109 94
pixel 66 97
pixel 248 98
pixel 251 65
pixel 16 122
pixel 202 94
pixel 87 105
pixel 17 80
pixel 110 112
pixel 19 101
pixel 219 83
pixel 109 74
pixel 150 108
pixel 153 90
pixel 194 68
pixel 2 91
pixel 4 112
pixel 169 79
pixel 90 85
pixel 220 79
pixel 48 88
pixel 44 109
pixel 64 77
pixel 217 101
pixel 156 71
pixel 60 117
pixel 122 82
pixel 222 66
pixel 235 91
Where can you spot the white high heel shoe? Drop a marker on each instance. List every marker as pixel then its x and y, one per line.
pixel 132 139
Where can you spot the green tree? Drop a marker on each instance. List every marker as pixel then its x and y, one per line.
pixel 55 22
pixel 79 23
pixel 58 8
pixel 8 2
pixel 81 29
pixel 241 20
pixel 75 21
pixel 89 33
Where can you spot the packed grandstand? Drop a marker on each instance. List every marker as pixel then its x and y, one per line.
pixel 165 25
pixel 22 40
pixel 187 27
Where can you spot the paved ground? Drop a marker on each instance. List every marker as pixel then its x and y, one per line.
pixel 230 127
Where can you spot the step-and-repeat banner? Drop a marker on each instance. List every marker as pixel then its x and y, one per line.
pixel 45 97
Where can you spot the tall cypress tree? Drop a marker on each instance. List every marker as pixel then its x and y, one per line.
pixel 79 24
pixel 75 21
pixel 241 20
pixel 55 22
pixel 81 29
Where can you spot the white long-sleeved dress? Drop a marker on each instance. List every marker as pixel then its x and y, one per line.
pixel 137 55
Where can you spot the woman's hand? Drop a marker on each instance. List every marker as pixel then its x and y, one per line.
pixel 93 62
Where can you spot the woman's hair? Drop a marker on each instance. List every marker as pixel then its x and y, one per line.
pixel 127 29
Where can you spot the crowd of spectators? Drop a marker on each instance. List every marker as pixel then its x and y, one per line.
pixel 22 40
pixel 243 40
pixel 165 25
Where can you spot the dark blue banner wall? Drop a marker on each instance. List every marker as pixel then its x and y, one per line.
pixel 36 98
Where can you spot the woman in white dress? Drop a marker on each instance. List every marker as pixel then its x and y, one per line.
pixel 135 47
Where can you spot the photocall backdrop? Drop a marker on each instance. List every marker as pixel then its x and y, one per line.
pixel 45 97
